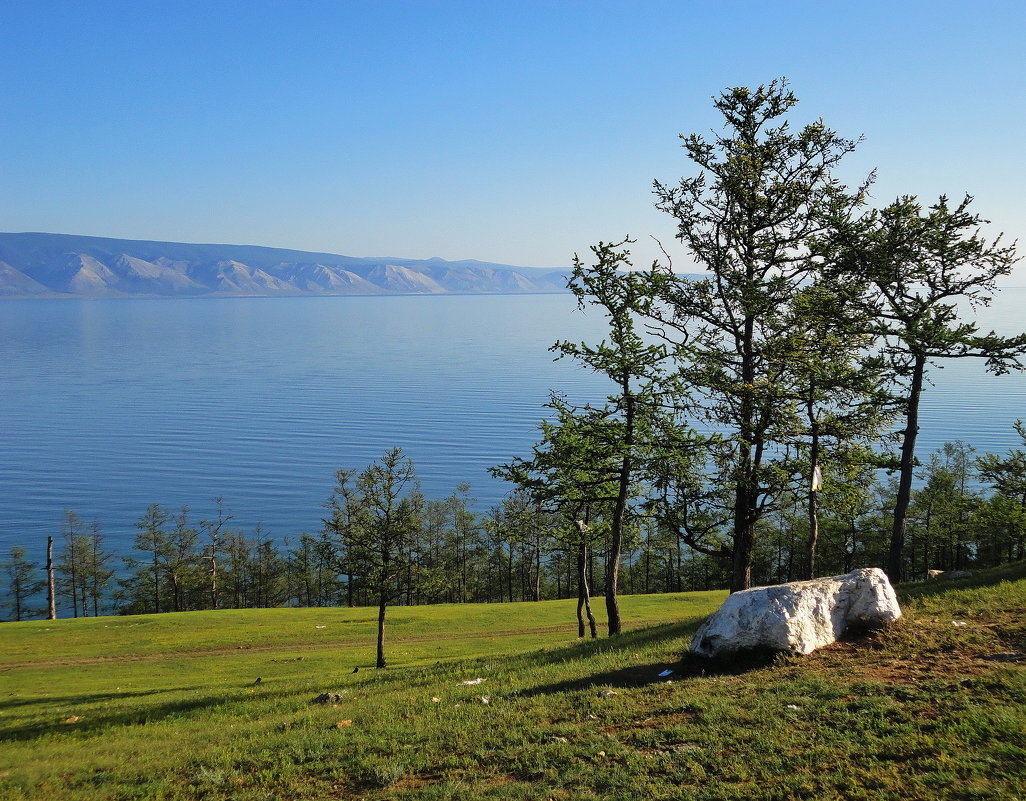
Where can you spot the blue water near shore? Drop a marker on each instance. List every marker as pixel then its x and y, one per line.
pixel 107 406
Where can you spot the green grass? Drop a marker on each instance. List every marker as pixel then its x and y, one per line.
pixel 166 707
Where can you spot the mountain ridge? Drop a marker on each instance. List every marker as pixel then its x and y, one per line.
pixel 34 264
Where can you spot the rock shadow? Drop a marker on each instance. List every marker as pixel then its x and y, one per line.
pixel 687 668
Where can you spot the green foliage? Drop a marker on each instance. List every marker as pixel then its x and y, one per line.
pixel 813 330
pixel 376 517
pixel 23 581
pixel 919 272
pixel 750 346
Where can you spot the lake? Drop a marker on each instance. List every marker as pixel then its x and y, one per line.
pixel 107 406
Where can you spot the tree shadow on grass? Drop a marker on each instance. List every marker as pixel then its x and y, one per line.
pixel 410 675
pixel 629 640
pixel 14 703
pixel 96 721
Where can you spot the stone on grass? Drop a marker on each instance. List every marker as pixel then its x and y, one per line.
pixel 798 617
pixel 327 698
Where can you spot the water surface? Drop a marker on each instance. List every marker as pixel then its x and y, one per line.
pixel 110 405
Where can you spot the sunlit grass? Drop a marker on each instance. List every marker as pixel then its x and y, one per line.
pixel 167 706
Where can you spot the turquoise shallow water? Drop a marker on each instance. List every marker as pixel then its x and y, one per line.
pixel 107 406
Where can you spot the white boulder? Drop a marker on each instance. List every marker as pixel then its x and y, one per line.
pixel 801 616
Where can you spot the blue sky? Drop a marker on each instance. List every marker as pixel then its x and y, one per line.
pixel 517 132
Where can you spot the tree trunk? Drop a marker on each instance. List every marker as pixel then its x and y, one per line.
pixel 156 583
pixel 814 486
pixel 810 566
pixel 582 583
pixel 619 516
pixel 213 579
pixel 744 545
pixel 744 494
pixel 381 630
pixel 537 571
pixel 51 595
pixel 73 575
pixel 908 458
pixel 584 594
pixel 744 529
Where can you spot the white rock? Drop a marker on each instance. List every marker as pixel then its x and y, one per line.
pixel 801 616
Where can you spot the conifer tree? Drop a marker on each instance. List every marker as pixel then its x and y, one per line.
pixel 376 516
pixel 763 194
pixel 617 437
pixel 924 274
pixel 23 582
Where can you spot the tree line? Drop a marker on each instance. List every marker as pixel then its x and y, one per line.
pixel 967 510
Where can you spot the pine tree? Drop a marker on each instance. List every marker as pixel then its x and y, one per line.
pixel 23 582
pixel 764 194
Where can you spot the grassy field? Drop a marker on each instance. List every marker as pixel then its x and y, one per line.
pixel 168 707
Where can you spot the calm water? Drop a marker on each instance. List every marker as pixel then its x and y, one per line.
pixel 107 406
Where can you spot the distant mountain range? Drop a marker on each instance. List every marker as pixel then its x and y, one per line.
pixel 62 265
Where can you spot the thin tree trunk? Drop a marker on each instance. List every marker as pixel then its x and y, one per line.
pixel 814 482
pixel 619 517
pixel 582 583
pixel 51 594
pixel 908 451
pixel 583 591
pixel 73 574
pixel 537 571
pixel 381 630
pixel 213 579
pixel 156 583
pixel 648 559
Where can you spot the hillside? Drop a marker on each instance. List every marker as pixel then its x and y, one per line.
pixel 169 707
pixel 61 265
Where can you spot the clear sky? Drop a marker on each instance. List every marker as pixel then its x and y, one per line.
pixel 517 132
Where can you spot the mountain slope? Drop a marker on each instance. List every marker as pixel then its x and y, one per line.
pixel 40 265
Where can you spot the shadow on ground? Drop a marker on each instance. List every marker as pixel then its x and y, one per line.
pixel 90 720
pixel 686 668
pixel 88 698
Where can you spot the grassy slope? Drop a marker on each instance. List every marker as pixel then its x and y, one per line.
pixel 165 706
